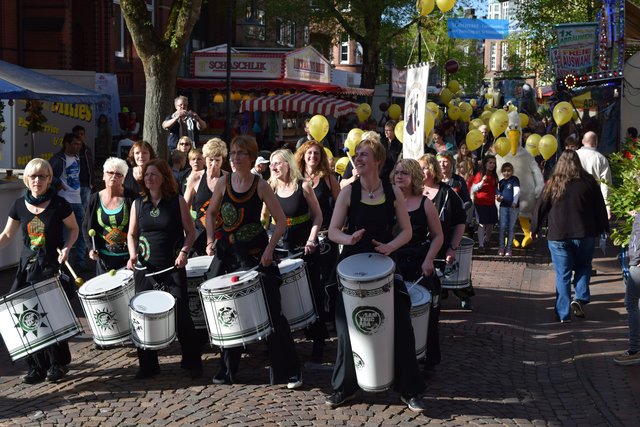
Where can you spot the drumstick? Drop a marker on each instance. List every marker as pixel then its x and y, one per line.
pixel 251 270
pixel 78 280
pixel 415 283
pixel 92 234
pixel 353 165
pixel 160 272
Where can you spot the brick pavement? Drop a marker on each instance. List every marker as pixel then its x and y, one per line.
pixel 506 363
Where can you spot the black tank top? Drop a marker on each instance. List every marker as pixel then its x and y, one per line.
pixel 160 231
pixel 201 202
pixel 299 222
pixel 242 230
pixel 419 224
pixel 325 199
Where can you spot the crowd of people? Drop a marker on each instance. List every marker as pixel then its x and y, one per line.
pixel 152 216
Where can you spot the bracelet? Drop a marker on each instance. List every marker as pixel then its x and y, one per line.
pixel 210 243
pixel 184 252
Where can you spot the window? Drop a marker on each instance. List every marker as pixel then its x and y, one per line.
pixel 505 52
pixel 306 35
pixel 255 23
pixel 344 48
pixel 493 66
pixel 119 26
pixel 286 33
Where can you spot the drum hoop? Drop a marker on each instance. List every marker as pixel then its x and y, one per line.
pixel 366 293
pixel 222 294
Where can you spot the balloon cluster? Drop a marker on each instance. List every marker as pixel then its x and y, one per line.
pixel 545 146
pixel 425 7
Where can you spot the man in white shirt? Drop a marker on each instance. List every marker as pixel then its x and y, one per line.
pixel 596 164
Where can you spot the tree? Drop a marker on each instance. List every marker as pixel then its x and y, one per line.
pixel 160 53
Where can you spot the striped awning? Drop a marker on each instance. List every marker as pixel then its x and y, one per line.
pixel 300 103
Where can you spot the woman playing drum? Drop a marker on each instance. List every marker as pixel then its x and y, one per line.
pixel 107 214
pixel 304 218
pixel 242 244
pixel 43 217
pixel 139 154
pixel 199 190
pixel 160 236
pixel 372 209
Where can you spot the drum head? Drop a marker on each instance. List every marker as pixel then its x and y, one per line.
pixel 418 294
pixel 105 282
pixel 466 241
pixel 365 267
pixel 225 281
pixel 152 302
pixel 289 265
pixel 198 266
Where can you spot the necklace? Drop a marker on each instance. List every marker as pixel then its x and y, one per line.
pixel 310 178
pixel 372 192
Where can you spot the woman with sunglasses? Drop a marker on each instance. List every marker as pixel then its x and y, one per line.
pixel 107 214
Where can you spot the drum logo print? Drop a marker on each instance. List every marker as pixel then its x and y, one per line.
pixel 105 319
pixel 227 316
pixel 29 320
pixel 357 361
pixel 367 320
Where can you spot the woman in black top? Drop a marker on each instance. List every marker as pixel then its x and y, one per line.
pixel 43 216
pixel 372 210
pixel 242 243
pixel 160 236
pixel 304 218
pixel 139 154
pixel 107 214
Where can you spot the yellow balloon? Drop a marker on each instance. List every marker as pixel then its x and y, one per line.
pixel 445 5
pixel 363 111
pixel 485 116
pixel 532 144
pixel 562 112
pixel 453 113
pixel 453 86
pixel 499 122
pixel 488 96
pixel 341 165
pixel 429 121
pixel 524 120
pixel 425 7
pixel 328 152
pixel 488 107
pixel 446 96
pixel 474 139
pixel 473 102
pixel 399 130
pixel 433 107
pixel 350 144
pixel 394 111
pixel 547 146
pixel 318 127
pixel 353 138
pixel 512 108
pixel 475 124
pixel 465 111
pixel 502 146
pixel 440 115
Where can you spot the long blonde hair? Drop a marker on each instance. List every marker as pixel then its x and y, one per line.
pixel 294 173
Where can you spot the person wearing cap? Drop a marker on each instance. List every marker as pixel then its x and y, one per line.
pixel 260 167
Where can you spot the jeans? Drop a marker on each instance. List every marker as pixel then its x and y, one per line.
pixel 81 246
pixel 571 256
pixel 631 301
pixel 508 218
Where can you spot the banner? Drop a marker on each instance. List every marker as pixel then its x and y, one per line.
pixel 479 29
pixel 575 52
pixel 414 111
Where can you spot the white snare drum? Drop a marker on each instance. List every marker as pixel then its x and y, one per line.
pixel 236 312
pixel 420 308
pixel 366 282
pixel 295 294
pixel 105 302
pixel 36 317
pixel 197 269
pixel 153 319
pixel 458 275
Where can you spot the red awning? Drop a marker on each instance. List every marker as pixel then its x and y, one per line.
pixel 300 103
pixel 284 84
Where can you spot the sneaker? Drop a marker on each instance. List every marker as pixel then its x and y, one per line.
pixel 565 321
pixel 507 254
pixel 628 358
pixel 465 304
pixel 34 376
pixel 338 398
pixel 221 378
pixel 576 307
pixel 500 252
pixel 56 373
pixel 415 403
pixel 294 381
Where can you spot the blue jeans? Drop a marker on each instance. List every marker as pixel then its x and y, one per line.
pixel 571 256
pixel 80 247
pixel 508 218
pixel 631 300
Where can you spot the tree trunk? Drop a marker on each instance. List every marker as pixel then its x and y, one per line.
pixel 370 62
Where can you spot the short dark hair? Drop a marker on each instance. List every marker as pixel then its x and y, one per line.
pixel 78 128
pixel 633 132
pixel 506 166
pixel 68 138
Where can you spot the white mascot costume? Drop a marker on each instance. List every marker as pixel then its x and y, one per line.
pixel 527 171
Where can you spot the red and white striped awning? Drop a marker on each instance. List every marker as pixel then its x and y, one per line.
pixel 300 103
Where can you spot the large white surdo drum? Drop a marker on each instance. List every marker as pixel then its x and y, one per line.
pixel 366 283
pixel 458 275
pixel 153 319
pixel 295 294
pixel 105 301
pixel 420 308
pixel 197 268
pixel 36 317
pixel 235 309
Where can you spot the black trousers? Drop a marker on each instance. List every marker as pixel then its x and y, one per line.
pixel 174 282
pixel 407 377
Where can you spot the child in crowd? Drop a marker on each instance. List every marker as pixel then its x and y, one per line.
pixel 508 194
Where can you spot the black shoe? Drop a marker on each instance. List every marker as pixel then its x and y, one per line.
pixel 576 307
pixel 143 374
pixel 222 378
pixel 415 403
pixel 56 373
pixel 338 398
pixel 34 376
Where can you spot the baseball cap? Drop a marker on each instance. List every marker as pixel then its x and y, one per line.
pixel 261 160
